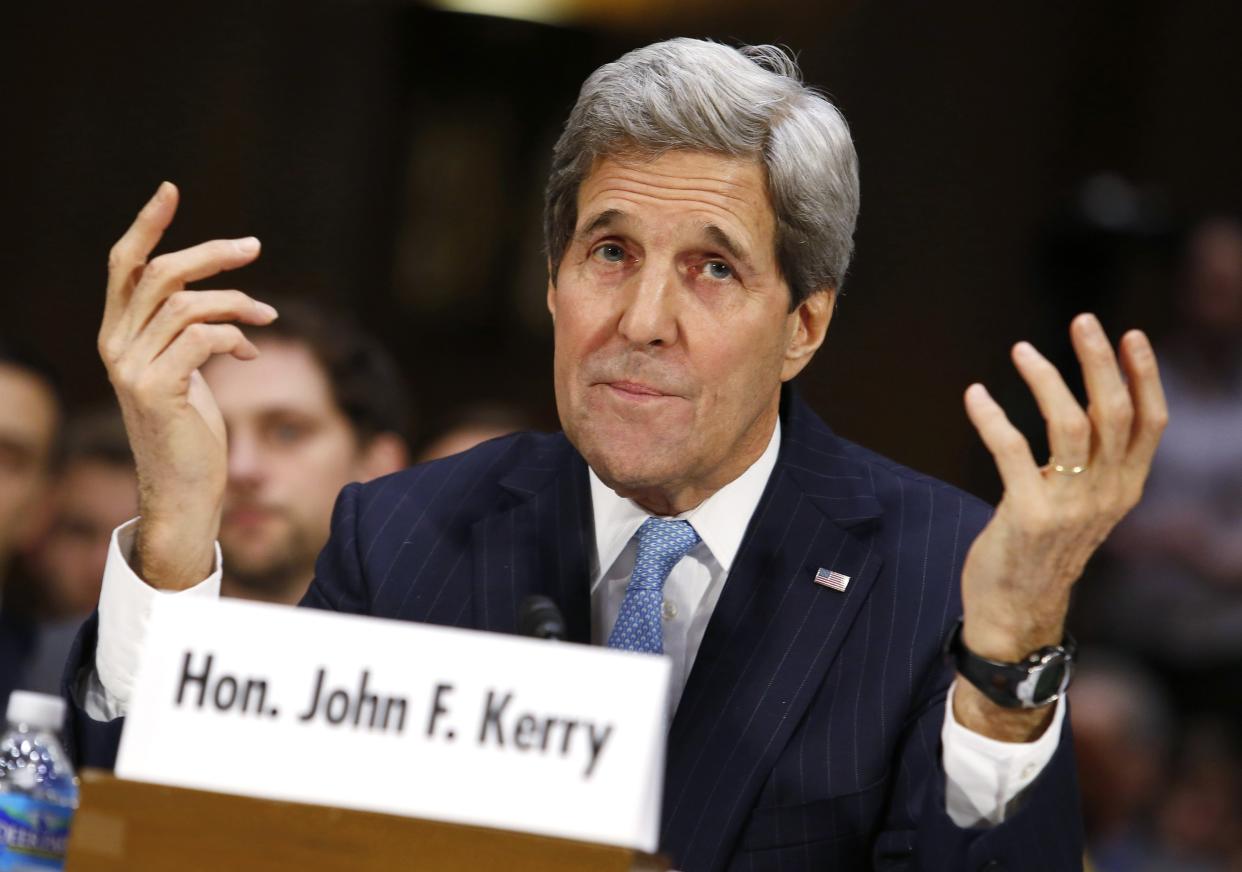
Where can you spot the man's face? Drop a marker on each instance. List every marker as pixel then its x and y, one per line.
pixel 291 450
pixel 28 421
pixel 672 323
pixel 92 498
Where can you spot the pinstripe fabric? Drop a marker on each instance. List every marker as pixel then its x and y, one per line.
pixel 808 734
pixel 505 521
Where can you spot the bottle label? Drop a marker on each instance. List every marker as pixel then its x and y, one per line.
pixel 33 833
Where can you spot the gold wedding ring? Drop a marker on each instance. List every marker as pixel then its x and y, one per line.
pixel 1065 470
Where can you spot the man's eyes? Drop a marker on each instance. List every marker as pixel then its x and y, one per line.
pixel 609 252
pixel 287 433
pixel 717 270
pixel 78 528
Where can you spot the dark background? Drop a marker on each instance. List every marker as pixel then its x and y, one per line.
pixel 1020 162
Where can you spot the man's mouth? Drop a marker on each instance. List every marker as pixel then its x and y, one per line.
pixel 637 390
pixel 248 516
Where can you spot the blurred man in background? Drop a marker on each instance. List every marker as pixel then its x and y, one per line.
pixel 1176 593
pixel 323 405
pixel 95 490
pixel 1172 597
pixel 30 418
pixel 1122 739
pixel 1199 826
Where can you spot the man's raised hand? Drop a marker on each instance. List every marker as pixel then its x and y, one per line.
pixel 1018 574
pixel 154 337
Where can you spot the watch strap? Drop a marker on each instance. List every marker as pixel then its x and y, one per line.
pixel 1037 680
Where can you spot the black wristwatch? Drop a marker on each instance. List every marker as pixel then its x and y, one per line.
pixel 1039 678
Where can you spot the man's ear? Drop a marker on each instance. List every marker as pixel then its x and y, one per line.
pixel 384 453
pixel 551 291
pixel 808 327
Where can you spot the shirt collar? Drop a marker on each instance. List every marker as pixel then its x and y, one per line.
pixel 720 520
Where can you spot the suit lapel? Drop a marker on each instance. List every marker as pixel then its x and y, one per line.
pixel 536 542
pixel 772 638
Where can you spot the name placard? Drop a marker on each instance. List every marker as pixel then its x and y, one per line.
pixel 453 725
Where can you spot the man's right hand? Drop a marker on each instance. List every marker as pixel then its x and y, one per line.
pixel 154 337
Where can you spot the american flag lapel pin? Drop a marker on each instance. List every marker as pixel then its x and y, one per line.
pixel 834 580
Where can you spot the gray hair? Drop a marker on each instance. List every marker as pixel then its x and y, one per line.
pixel 748 102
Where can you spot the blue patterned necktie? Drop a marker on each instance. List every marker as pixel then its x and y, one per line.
pixel 661 544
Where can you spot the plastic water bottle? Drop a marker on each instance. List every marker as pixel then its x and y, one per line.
pixel 38 789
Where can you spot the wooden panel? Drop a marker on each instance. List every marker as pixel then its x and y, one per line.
pixel 136 827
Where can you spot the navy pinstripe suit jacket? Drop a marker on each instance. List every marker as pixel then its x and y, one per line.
pixel 808 736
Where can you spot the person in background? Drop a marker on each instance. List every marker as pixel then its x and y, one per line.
pixel 30 416
pixel 1174 595
pixel 322 405
pixel 1199 825
pixel 1122 740
pixel 95 490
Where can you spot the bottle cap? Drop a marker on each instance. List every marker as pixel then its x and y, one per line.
pixel 39 710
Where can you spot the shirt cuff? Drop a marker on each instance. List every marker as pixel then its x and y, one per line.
pixel 125 602
pixel 985 778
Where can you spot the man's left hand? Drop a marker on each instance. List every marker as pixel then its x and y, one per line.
pixel 1018 574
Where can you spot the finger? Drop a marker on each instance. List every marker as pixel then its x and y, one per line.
pixel 1069 428
pixel 131 251
pixel 1151 411
pixel 170 272
pixel 184 308
pixel 1109 404
pixel 192 348
pixel 1008 447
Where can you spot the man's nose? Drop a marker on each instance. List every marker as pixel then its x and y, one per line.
pixel 245 459
pixel 650 317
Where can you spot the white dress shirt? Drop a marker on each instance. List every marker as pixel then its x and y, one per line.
pixel 984 777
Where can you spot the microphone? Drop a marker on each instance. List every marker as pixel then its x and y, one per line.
pixel 539 617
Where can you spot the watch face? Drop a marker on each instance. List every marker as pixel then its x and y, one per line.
pixel 1051 680
pixel 1045 681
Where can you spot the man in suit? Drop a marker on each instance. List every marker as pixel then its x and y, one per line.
pixel 323 405
pixel 94 490
pixel 699 221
